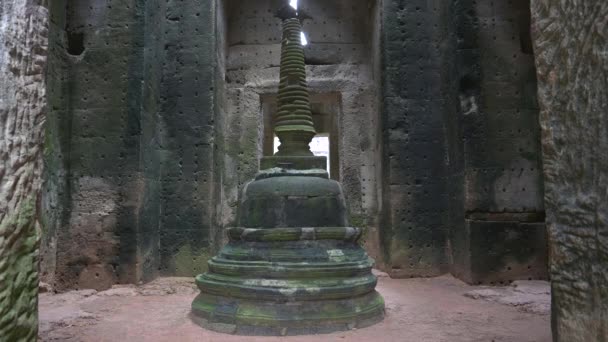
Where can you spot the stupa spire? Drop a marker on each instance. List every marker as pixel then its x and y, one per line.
pixel 293 122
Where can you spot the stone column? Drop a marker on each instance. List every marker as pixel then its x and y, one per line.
pixel 23 52
pixel 571 49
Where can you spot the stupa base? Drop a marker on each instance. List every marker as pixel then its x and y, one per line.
pixel 293 266
pixel 262 318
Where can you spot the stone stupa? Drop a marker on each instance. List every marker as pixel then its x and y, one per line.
pixel 293 265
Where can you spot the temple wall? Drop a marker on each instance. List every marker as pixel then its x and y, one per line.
pixel 463 188
pixel 148 232
pixel 187 130
pixel 160 111
pixel 155 121
pixel 504 235
pixel 129 192
pixel 95 91
pixel 418 98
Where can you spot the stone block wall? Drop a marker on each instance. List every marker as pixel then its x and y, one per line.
pixel 501 140
pixel 461 142
pixel 497 90
pixel 187 132
pixel 148 233
pixel 96 96
pixel 159 113
pixel 422 162
pixel 129 191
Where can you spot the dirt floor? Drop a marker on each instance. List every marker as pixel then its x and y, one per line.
pixel 436 309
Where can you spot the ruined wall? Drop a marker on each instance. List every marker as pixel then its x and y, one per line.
pixel 98 184
pixel 419 107
pixel 23 54
pixel 570 46
pixel 187 130
pixel 160 110
pixel 462 187
pixel 129 189
pixel 504 234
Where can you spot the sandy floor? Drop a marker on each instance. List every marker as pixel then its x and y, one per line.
pixel 437 309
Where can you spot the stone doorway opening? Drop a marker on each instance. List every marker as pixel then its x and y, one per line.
pixel 326 114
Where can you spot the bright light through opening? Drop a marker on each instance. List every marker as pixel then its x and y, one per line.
pixel 294 4
pixel 319 146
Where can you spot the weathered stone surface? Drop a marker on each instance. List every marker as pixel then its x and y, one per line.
pixel 460 136
pixel 287 278
pixel 293 123
pixel 55 189
pixel 168 131
pixel 498 252
pixel 131 158
pixel 422 166
pixel 497 95
pixel 23 54
pixel 95 185
pixel 500 144
pixel 188 128
pixel 570 46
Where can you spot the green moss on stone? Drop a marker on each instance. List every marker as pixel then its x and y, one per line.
pixel 188 261
pixel 19 274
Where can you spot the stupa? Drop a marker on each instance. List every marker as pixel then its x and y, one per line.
pixel 293 265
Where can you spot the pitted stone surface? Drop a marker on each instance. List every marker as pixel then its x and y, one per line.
pixel 468 146
pixel 130 159
pixel 173 130
pixel 99 193
pixel 421 172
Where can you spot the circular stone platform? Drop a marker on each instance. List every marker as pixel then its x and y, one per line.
pixel 293 267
